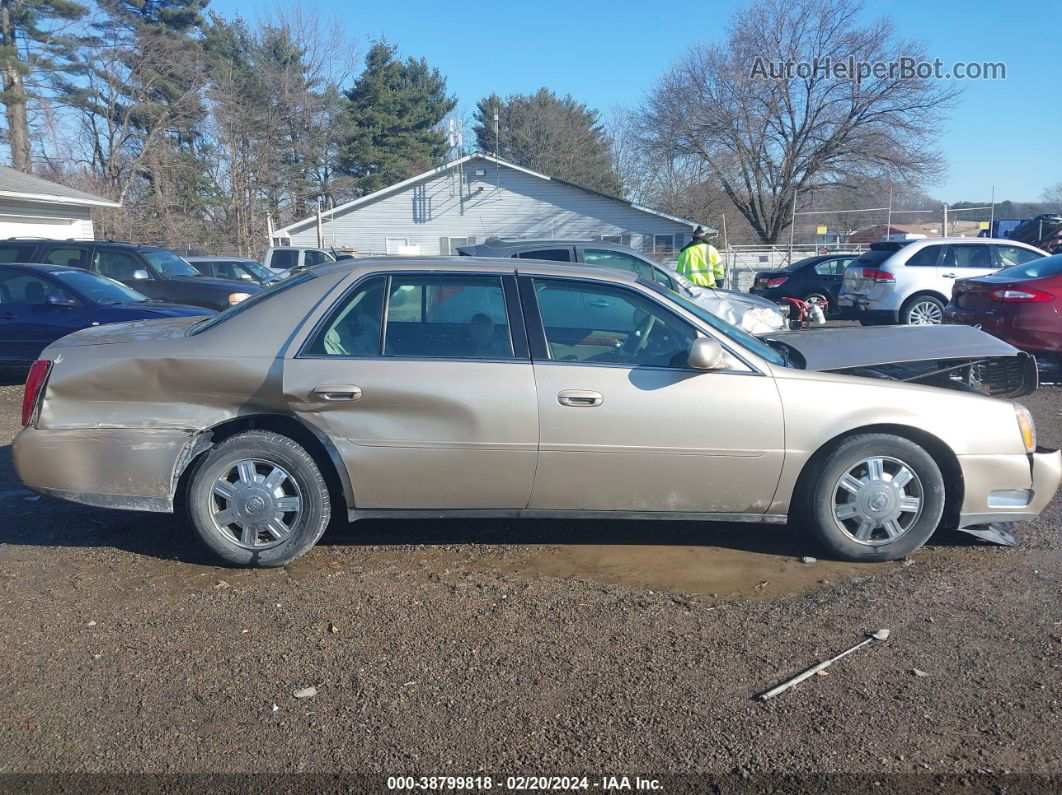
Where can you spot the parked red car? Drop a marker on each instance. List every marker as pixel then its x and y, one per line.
pixel 1021 305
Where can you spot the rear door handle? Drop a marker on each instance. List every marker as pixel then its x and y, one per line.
pixel 335 393
pixel 580 398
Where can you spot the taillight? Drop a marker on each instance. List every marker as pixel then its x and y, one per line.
pixel 1026 295
pixel 878 276
pixel 777 282
pixel 35 381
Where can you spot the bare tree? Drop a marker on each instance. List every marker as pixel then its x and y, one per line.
pixel 1052 197
pixel 767 132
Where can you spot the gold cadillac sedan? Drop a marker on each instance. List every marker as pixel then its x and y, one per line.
pixel 475 387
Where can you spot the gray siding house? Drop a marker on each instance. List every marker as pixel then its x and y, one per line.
pixel 478 197
pixel 31 206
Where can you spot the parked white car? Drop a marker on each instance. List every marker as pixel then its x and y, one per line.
pixel 910 282
pixel 281 259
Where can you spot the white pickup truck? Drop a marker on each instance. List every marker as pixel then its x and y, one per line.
pixel 281 259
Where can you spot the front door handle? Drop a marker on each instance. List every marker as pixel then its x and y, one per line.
pixel 949 275
pixel 337 392
pixel 8 316
pixel 580 398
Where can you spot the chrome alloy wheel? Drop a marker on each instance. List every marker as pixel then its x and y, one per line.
pixel 255 504
pixel 926 313
pixel 877 501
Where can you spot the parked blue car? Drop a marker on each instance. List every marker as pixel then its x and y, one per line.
pixel 41 303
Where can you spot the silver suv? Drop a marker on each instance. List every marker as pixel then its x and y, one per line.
pixel 910 282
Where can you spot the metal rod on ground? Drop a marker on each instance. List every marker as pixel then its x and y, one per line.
pixel 880 635
pixel 726 265
pixel 888 220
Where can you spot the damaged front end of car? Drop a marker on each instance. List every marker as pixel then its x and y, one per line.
pixel 952 357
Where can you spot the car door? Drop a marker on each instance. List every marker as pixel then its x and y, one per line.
pixel 125 267
pixel 627 425
pixel 435 407
pixel 966 260
pixel 34 312
pixel 828 276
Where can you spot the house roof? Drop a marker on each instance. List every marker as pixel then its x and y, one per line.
pixel 16 184
pixel 342 208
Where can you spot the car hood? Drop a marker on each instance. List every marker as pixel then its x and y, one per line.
pixel 842 348
pixel 748 312
pixel 162 309
pixel 167 328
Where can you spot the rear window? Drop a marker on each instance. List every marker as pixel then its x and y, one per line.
pixel 247 303
pixel 1038 268
pixel 874 257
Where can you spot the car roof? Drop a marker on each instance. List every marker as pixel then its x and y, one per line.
pixel 219 258
pixel 499 265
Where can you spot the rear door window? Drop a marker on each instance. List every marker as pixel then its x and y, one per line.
pixel 927 257
pixel 284 258
pixel 71 256
pixel 450 316
pixel 968 255
pixel 618 261
pixel 553 254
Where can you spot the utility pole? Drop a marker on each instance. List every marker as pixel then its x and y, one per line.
pixel 888 220
pixel 944 228
pixel 792 227
pixel 992 214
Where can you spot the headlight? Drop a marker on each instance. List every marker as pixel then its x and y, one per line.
pixel 235 298
pixel 1027 427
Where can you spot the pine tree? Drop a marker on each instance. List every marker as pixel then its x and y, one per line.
pixel 395 108
pixel 33 49
pixel 560 137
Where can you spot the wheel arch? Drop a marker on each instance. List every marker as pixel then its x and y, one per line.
pixel 315 442
pixel 938 449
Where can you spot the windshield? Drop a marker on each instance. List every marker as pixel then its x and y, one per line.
pixel 99 289
pixel 260 271
pixel 1038 268
pixel 733 333
pixel 169 264
pixel 247 303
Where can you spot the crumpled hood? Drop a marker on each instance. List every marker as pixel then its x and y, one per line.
pixel 748 312
pixel 841 348
pixel 167 328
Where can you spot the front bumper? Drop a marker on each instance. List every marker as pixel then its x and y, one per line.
pixel 1008 488
pixel 131 469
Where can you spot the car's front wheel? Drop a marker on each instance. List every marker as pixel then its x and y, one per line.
pixel 874 497
pixel 258 499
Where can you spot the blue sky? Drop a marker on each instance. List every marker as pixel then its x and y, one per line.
pixel 1003 133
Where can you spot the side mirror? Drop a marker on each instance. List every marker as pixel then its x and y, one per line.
pixel 245 275
pixel 707 354
pixel 60 300
pixel 141 275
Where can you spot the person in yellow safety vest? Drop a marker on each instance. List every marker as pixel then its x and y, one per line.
pixel 699 261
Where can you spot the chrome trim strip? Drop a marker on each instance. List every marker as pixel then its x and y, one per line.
pixel 354 514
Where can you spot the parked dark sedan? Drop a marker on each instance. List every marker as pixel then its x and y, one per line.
pixel 41 303
pixel 151 270
pixel 1021 305
pixel 812 279
pixel 235 268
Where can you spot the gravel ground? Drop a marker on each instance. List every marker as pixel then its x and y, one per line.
pixel 523 648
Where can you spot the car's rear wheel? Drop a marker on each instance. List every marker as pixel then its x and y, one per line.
pixel 258 499
pixel 923 310
pixel 875 497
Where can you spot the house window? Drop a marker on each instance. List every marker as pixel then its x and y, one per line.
pixel 664 244
pixel 449 245
pixel 624 240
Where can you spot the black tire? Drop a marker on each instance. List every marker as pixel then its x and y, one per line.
pixel 922 303
pixel 818 502
pixel 265 452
